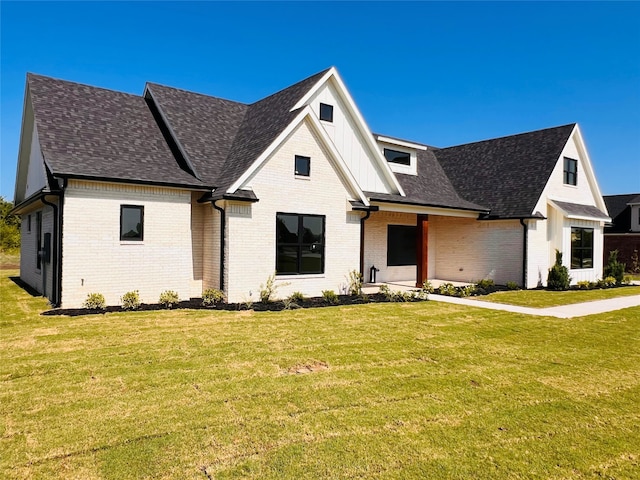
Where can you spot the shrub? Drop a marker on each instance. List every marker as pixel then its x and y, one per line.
pixel 130 300
pixel 607 282
pixel 485 284
pixel 168 298
pixel 585 285
pixel 513 286
pixel 330 297
pixel 297 297
pixel 386 292
pixel 614 268
pixel 211 297
pixel 427 287
pixel 447 289
pixel 95 301
pixel 635 263
pixel 626 280
pixel 465 291
pixel 269 288
pixel 558 278
pixel 354 286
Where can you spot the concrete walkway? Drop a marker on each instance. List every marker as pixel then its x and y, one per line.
pixel 563 311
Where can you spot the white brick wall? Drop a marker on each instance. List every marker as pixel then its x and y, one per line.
pixel 95 260
pixel 251 229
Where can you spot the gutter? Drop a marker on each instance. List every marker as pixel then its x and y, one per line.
pixel 362 220
pixel 524 253
pixel 223 224
pixel 56 253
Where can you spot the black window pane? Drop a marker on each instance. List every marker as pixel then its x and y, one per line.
pixel 131 223
pixel 303 166
pixel 311 260
pixel 312 229
pixel 287 260
pixel 587 238
pixel 394 156
pixel 326 112
pixel 401 245
pixel 287 228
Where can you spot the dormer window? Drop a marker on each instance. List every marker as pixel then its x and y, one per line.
pixel 326 112
pixel 570 171
pixel 395 156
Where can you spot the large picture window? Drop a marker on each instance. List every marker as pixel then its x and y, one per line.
pixel 401 245
pixel 581 247
pixel 299 243
pixel 131 223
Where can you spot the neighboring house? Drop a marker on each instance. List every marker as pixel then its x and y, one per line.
pixel 182 191
pixel 623 234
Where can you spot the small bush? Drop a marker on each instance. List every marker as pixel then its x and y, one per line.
pixel 268 289
pixel 297 297
pixel 130 300
pixel 386 292
pixel 330 297
pixel 485 284
pixel 635 262
pixel 585 285
pixel 211 297
pixel 447 289
pixel 614 268
pixel 95 301
pixel 354 286
pixel 168 298
pixel 513 286
pixel 626 280
pixel 558 278
pixel 607 282
pixel 427 287
pixel 465 291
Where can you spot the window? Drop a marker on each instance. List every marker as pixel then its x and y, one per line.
pixel 394 156
pixel 28 223
pixel 401 245
pixel 38 239
pixel 581 247
pixel 326 112
pixel 299 244
pixel 131 222
pixel 570 171
pixel 303 166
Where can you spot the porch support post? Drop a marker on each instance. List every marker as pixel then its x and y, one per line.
pixel 422 247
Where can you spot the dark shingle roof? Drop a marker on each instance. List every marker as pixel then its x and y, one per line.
pixel 619 211
pixel 92 132
pixel 222 138
pixel 579 210
pixel 506 174
pixel 430 187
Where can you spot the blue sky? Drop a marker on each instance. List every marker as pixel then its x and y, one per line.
pixel 439 73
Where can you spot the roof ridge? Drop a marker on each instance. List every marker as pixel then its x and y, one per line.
pixel 191 92
pixel 511 136
pixel 282 90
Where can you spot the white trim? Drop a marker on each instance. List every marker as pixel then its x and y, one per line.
pixel 173 134
pixel 359 120
pixel 400 143
pixel 418 209
pixel 587 166
pixel 306 112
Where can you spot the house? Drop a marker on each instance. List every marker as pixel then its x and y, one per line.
pixel 623 233
pixel 174 190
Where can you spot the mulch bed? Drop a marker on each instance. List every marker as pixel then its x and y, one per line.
pixel 196 304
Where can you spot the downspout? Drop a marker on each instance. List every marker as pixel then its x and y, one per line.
pixel 362 220
pixel 55 287
pixel 524 253
pixel 222 242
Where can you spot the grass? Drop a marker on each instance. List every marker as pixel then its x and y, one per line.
pixel 9 259
pixel 547 298
pixel 426 390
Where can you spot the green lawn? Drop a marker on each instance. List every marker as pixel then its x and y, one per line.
pixel 421 390
pixel 546 298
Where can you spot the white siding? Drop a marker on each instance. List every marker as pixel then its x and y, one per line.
pixel 250 233
pixel 36 178
pixel 470 250
pixel 349 141
pixel 95 260
pixel 589 274
pixel 40 279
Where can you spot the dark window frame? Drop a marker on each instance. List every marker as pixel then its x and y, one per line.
pixel 302 172
pixel 326 112
pixel 300 244
pixel 140 237
pixel 401 245
pixel 570 171
pixel 29 223
pixel 389 156
pixel 582 249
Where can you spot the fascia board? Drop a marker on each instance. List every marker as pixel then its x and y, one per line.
pixel 23 170
pixel 400 143
pixel 359 120
pixel 591 176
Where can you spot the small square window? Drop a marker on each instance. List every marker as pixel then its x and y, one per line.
pixel 303 166
pixel 326 112
pixel 131 223
pixel 570 171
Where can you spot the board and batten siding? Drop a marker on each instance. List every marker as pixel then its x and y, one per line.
pixel 250 251
pixel 39 279
pixel 349 142
pixel 95 260
pixel 468 250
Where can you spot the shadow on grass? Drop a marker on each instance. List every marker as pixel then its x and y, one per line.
pixel 27 288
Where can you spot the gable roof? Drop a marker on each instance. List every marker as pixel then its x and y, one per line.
pixel 506 174
pixel 430 187
pixel 620 211
pixel 221 138
pixel 91 132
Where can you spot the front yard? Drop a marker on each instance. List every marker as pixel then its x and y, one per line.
pixel 411 390
pixel 547 298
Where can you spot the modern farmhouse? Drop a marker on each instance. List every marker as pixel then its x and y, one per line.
pixel 174 190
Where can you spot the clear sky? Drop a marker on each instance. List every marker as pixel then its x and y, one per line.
pixel 438 73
